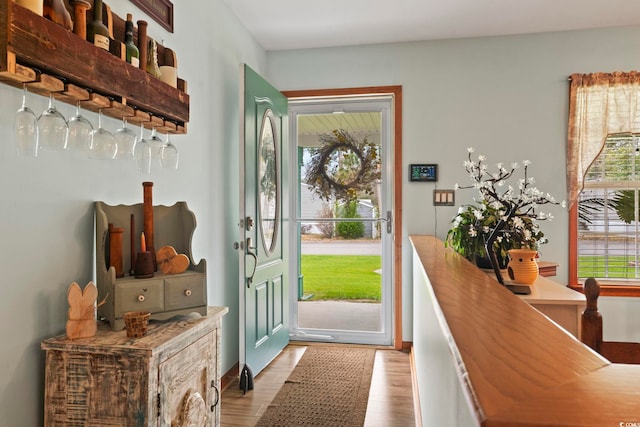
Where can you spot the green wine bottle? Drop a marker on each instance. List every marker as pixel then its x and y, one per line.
pixel 97 32
pixel 133 54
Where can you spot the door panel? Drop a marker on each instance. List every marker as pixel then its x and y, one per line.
pixel 264 267
pixel 343 258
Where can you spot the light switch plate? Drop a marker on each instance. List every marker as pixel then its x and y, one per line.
pixel 444 197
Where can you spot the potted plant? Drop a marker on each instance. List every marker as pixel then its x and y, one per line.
pixel 473 225
pixel 504 217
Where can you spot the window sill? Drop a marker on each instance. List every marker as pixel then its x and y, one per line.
pixel 612 289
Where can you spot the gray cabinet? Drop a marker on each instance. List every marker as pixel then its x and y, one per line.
pixel 164 295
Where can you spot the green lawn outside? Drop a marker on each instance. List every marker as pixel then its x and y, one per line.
pixel 342 277
pixel 353 277
pixel 614 267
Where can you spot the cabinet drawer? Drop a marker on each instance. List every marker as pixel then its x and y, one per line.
pixel 184 292
pixel 143 295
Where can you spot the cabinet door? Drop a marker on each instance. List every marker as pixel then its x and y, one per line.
pixel 188 385
pixel 95 389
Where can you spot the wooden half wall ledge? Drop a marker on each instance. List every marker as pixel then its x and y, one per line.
pixel 515 365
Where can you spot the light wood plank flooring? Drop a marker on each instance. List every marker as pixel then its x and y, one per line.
pixel 390 397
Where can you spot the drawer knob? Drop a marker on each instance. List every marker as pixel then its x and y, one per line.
pixel 187 292
pixel 141 298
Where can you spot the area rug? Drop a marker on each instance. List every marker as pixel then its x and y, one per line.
pixel 328 387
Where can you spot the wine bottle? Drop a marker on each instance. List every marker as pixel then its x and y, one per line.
pixel 152 59
pixel 133 54
pixel 97 32
pixel 55 10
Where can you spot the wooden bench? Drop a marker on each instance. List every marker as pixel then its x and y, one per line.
pixel 614 351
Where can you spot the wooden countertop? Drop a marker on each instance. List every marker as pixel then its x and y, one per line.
pixel 517 367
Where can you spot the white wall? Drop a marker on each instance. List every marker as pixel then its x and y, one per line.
pixel 505 96
pixel 46 204
pixel 444 400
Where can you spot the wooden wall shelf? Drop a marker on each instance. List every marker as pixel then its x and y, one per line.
pixel 49 58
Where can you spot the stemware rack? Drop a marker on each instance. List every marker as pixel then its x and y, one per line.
pixel 50 59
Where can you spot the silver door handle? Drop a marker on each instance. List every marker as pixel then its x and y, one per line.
pixel 252 254
pixel 389 221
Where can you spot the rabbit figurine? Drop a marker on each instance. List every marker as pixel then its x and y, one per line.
pixel 81 321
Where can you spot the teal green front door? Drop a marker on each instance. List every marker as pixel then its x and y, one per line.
pixel 264 264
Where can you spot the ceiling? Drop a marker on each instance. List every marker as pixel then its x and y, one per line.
pixel 359 125
pixel 301 24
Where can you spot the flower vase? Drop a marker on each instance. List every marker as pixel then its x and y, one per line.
pixel 523 268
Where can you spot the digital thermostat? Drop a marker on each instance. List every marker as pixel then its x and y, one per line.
pixel 423 173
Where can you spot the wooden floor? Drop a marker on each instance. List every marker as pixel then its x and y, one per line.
pixel 390 397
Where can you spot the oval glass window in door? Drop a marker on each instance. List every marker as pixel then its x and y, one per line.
pixel 268 185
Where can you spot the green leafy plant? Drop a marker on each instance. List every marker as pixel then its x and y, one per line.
pixel 349 230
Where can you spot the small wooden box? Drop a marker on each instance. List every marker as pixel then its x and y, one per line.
pixel 112 380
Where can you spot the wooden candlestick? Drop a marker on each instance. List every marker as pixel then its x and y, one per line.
pixel 148 220
pixel 80 8
pixel 142 43
pixel 115 250
pixel 132 244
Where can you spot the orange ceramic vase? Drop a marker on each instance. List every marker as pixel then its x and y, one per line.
pixel 523 268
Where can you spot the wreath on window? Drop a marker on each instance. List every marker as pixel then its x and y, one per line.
pixel 343 166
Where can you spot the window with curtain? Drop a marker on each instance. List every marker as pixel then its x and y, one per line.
pixel 603 180
pixel 608 227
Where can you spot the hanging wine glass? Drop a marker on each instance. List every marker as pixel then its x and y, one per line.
pixel 25 128
pixel 142 153
pixel 156 144
pixel 126 140
pixel 80 134
pixel 52 128
pixel 103 145
pixel 169 155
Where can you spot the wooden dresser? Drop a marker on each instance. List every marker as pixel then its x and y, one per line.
pixel 560 303
pixel 169 377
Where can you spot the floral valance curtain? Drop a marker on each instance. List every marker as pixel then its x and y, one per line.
pixel 600 104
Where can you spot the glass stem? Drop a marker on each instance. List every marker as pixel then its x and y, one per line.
pixel 24 96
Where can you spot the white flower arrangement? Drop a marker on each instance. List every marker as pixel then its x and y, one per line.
pixel 505 216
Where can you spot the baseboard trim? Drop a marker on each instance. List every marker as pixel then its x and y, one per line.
pixel 230 376
pixel 417 413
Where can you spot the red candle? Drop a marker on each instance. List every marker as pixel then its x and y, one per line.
pixel 143 243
